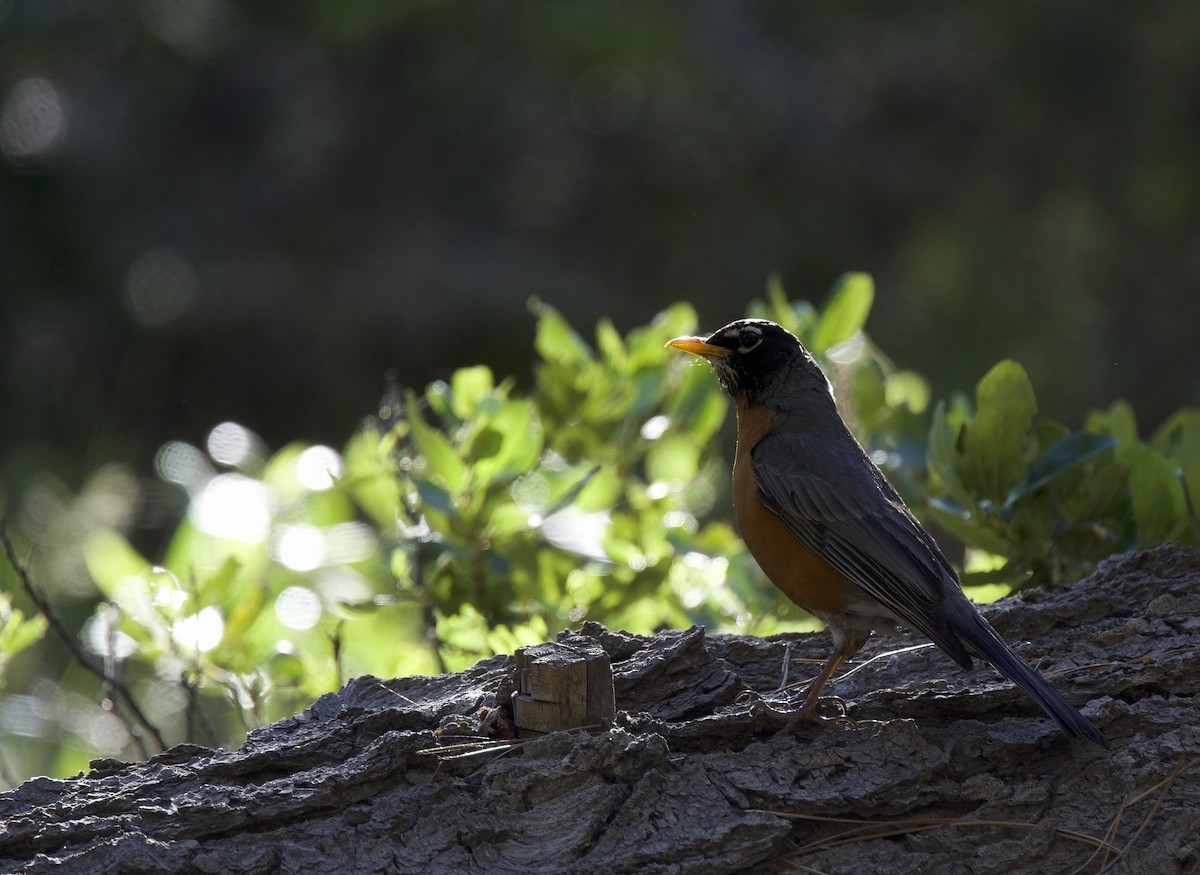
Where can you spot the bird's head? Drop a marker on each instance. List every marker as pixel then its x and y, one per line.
pixel 755 358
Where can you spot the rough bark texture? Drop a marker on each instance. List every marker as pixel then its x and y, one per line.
pixel 945 771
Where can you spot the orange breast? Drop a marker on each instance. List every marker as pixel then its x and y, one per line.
pixel 799 573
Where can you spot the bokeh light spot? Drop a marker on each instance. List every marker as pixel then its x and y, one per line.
pixel 531 492
pixel 102 730
pixel 160 287
pixel 344 585
pixel 33 120
pixel 197 29
pixel 301 548
pixel 200 632
pixel 179 462
pixel 232 444
pixel 298 608
pixel 23 715
pixel 655 427
pixel 318 468
pixel 103 639
pixel 234 507
pixel 658 490
pixel 165 589
pixel 578 531
pixel 675 519
pixel 348 542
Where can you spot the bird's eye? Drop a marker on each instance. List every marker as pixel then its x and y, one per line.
pixel 748 339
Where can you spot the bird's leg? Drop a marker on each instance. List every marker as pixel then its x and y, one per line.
pixel 811 709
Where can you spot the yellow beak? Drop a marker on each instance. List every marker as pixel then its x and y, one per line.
pixel 699 346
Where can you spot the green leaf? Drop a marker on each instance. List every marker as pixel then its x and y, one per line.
pixel 1032 524
pixel 698 404
pixel 465 631
pixel 468 387
pixel 942 453
pixel 555 340
pixel 437 397
pixel 1070 452
pixel 245 613
pixel 571 496
pixel 798 317
pixel 509 446
pixel 17 632
pixel 673 459
pixel 996 445
pixel 777 299
pixel 1095 494
pixel 907 389
pixel 868 394
pixel 1159 505
pixel 846 313
pixel 505 521
pixel 110 560
pixel 1119 422
pixel 434 498
pixel 286 669
pixel 1179 439
pixel 370 474
pixel 506 639
pixel 646 345
pixel 611 346
pixel 441 459
pixel 970 530
pixel 218 582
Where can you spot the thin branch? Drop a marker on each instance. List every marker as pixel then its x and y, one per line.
pixel 194 717
pixel 43 604
pixel 111 667
pixel 335 641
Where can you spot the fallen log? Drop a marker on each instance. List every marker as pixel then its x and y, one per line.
pixel 942 770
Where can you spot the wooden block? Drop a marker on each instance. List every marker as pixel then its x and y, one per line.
pixel 557 674
pixel 601 697
pixel 562 686
pixel 531 715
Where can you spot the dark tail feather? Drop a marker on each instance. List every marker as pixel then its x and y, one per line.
pixel 979 636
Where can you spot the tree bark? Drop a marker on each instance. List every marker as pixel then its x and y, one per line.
pixel 943 770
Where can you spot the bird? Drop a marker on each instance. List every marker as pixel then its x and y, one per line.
pixel 830 531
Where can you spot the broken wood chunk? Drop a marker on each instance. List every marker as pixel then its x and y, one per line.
pixel 562 686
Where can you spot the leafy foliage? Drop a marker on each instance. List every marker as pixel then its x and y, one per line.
pixel 1051 502
pixel 471 517
pixel 17 632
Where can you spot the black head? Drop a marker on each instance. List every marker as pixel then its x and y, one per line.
pixel 752 356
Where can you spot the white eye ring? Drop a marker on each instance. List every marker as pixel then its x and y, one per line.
pixel 748 339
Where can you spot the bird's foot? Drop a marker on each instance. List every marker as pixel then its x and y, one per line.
pixel 827 710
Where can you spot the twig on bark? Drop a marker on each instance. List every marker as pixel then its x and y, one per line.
pixel 1162 788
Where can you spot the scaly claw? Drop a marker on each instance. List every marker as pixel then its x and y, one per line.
pixel 817 711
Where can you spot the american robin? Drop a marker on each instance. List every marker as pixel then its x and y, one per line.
pixel 829 530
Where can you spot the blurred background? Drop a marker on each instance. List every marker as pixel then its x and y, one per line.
pixel 220 211
pixel 214 211
pixel 250 211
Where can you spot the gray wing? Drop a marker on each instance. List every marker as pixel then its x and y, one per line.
pixel 861 527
